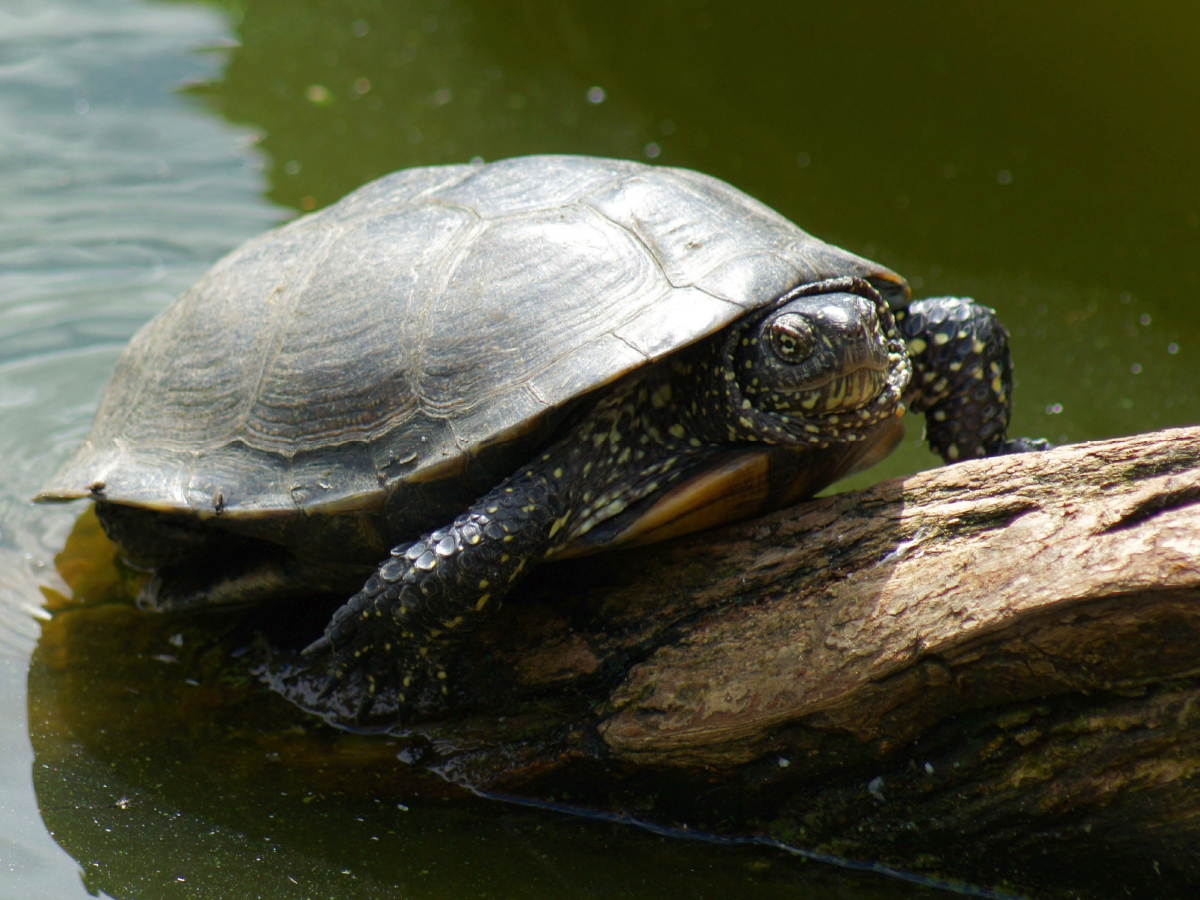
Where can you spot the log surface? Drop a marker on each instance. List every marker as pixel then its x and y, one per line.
pixel 993 668
pixel 989 671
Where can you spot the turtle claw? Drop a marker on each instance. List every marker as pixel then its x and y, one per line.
pixel 321 645
pixel 1025 445
pixel 364 705
pixel 332 683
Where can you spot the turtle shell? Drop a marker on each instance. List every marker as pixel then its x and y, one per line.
pixel 424 331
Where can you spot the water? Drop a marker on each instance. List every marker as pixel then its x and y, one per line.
pixel 1038 158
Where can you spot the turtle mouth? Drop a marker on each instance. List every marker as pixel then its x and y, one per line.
pixel 843 393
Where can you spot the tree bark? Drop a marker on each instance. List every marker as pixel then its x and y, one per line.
pixel 992 667
pixel 989 671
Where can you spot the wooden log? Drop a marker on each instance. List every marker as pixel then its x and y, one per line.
pixel 992 668
pixel 989 671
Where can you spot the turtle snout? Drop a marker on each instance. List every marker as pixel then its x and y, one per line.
pixel 819 355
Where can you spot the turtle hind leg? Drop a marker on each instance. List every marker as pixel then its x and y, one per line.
pixel 150 539
pixel 197 566
pixel 962 378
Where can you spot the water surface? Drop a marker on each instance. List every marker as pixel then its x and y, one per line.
pixel 1039 158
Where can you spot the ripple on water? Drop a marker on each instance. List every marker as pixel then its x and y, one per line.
pixel 116 192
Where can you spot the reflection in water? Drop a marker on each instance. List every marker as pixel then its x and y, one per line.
pixel 1039 157
pixel 166 770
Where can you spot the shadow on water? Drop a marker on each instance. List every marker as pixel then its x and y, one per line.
pixel 166 769
pixel 1040 158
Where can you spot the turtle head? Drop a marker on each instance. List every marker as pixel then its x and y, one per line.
pixel 824 365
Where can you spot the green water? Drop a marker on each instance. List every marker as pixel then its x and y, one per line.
pixel 1039 157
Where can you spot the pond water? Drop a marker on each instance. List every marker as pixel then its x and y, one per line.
pixel 1041 159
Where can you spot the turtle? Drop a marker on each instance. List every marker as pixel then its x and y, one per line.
pixel 455 373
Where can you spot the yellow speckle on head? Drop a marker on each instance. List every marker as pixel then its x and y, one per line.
pixel 939 415
pixel 997 386
pixel 493 509
pixel 916 346
pixel 507 538
pixel 504 557
pixel 483 582
pixel 676 431
pixel 952 452
pixel 941 338
pixel 994 368
pixel 441 676
pixel 482 601
pixel 978 346
pixel 558 473
pixel 694 442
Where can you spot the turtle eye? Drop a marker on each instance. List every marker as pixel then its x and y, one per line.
pixel 791 338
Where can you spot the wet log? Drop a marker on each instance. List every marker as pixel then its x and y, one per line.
pixel 992 668
pixel 988 671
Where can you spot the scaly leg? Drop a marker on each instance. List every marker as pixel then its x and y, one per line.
pixel 432 590
pixel 962 378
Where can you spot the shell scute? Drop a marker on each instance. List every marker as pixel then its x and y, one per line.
pixel 404 346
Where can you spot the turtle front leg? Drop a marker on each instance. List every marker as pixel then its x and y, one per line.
pixel 962 378
pixel 429 593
